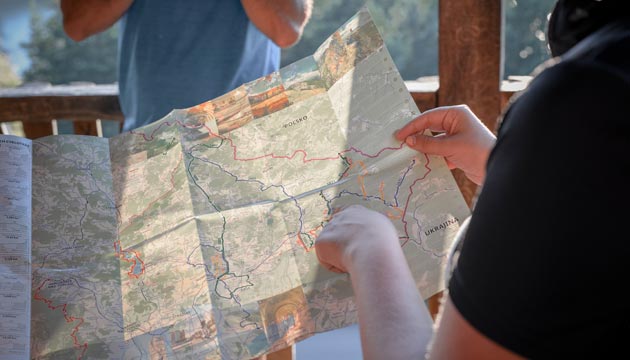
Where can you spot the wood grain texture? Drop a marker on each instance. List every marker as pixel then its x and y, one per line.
pixel 470 63
pixel 34 130
pixel 424 91
pixel 284 354
pixel 85 128
pixel 425 100
pixel 469 72
pixel 45 108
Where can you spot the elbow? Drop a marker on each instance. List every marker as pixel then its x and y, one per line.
pixel 281 21
pixel 286 39
pixel 289 33
pixel 289 30
pixel 74 30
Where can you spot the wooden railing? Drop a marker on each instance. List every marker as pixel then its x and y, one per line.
pixel 39 106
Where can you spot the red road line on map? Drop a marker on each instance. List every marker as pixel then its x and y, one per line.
pixel 68 318
pixel 301 242
pixel 305 160
pixel 304 157
pixel 270 155
pixel 313 231
pixel 121 254
pixel 156 129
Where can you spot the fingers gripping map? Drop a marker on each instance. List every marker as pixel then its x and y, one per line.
pixel 193 237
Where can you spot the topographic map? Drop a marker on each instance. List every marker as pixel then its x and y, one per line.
pixel 192 237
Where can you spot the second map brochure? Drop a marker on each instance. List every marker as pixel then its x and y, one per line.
pixel 193 236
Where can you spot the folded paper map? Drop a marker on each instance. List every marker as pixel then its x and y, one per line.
pixel 193 237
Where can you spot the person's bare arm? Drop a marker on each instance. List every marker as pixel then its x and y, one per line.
pixel 281 20
pixel 394 323
pixel 84 18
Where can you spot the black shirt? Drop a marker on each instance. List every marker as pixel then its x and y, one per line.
pixel 545 260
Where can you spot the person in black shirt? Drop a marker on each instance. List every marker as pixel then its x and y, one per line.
pixel 541 267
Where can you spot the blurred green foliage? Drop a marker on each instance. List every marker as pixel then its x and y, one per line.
pixel 8 77
pixel 57 59
pixel 409 28
pixel 525 36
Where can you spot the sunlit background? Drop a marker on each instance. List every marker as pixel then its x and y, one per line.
pixel 34 48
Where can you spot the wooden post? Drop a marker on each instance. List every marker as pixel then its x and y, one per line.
pixel 470 62
pixel 85 127
pixel 284 354
pixel 34 130
pixel 470 69
pixel 35 106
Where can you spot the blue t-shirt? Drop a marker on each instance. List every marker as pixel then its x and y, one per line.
pixel 178 54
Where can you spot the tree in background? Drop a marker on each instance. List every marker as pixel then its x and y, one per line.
pixel 410 32
pixel 57 59
pixel 525 43
pixel 409 28
pixel 8 77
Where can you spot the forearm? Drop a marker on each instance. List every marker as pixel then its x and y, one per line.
pixel 281 20
pixel 393 320
pixel 84 18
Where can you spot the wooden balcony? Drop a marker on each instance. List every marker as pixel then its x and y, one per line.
pixel 39 106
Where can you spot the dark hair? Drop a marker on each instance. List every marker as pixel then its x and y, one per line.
pixel 573 20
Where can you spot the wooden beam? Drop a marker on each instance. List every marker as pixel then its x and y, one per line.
pixel 85 127
pixel 39 103
pixel 284 354
pixel 44 108
pixel 513 85
pixel 34 130
pixel 470 62
pixel 425 100
pixel 469 71
pixel 424 92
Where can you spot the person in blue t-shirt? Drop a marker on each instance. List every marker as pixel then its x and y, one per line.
pixel 177 54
